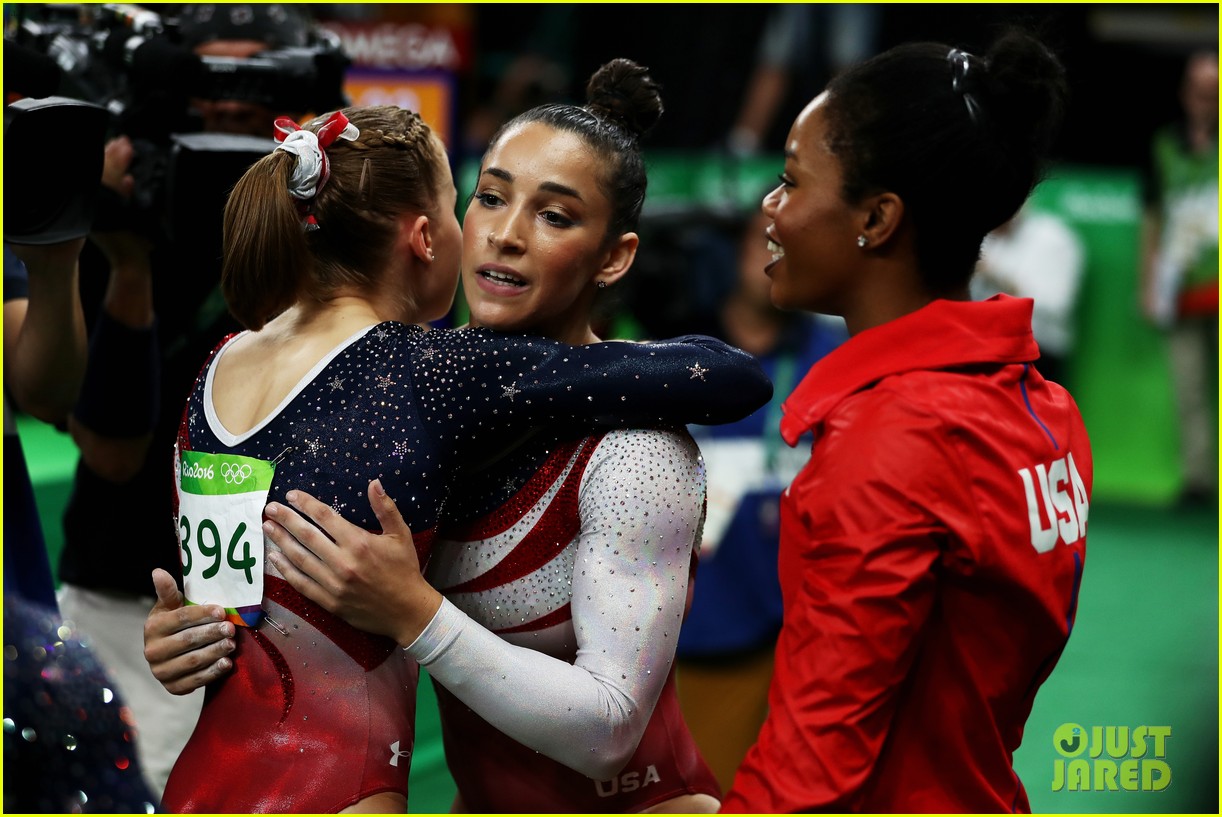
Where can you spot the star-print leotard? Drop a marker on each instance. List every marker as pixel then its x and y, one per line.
pixel 553 652
pixel 317 715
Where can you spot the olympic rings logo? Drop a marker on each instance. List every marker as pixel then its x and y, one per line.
pixel 235 474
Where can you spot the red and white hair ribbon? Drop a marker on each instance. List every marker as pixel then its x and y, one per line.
pixel 309 147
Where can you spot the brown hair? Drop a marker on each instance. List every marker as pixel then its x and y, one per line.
pixel 270 261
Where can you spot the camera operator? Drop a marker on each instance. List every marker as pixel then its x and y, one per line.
pixel 162 297
pixel 67 740
pixel 240 32
pixel 46 344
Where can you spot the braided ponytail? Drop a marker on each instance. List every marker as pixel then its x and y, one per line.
pixel 392 168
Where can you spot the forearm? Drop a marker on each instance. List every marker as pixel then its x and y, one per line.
pixel 587 721
pixel 49 360
pixel 115 459
pixel 113 419
pixel 129 291
pixel 715 382
pixel 499 383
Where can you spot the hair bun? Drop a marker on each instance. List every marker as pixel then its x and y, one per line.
pixel 1030 89
pixel 624 92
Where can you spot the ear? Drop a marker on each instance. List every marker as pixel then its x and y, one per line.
pixel 418 234
pixel 883 214
pixel 618 260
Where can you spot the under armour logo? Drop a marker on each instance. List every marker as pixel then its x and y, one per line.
pixel 395 753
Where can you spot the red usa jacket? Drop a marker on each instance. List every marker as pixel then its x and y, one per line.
pixel 931 554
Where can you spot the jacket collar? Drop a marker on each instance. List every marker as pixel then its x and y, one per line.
pixel 941 335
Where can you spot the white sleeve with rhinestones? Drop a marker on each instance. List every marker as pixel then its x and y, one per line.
pixel 641 504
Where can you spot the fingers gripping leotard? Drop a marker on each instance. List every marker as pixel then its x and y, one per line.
pixel 563 700
pixel 317 715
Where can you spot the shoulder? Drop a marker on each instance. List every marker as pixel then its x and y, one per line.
pixel 902 427
pixel 647 455
pixel 648 442
pixel 396 334
pixel 901 399
pixel 657 471
pixel 426 350
pixel 931 433
pixel 885 460
pixel 234 345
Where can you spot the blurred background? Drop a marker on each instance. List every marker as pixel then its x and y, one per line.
pixel 1145 647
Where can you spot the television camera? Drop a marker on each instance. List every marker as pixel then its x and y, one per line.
pixel 139 65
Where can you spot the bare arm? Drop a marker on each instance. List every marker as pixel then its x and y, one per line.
pixel 44 334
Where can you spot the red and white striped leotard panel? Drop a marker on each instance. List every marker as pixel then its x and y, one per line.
pixel 555 646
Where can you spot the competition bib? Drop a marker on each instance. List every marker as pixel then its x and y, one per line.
pixel 220 534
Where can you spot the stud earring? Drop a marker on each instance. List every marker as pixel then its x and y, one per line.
pixel 430 255
pixel 862 241
pixel 602 284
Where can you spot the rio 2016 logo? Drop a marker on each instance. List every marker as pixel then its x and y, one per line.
pixel 1110 758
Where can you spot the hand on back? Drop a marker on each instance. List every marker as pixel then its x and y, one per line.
pixel 371 580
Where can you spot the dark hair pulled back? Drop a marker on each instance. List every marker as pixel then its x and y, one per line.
pixel 961 139
pixel 622 104
pixel 270 260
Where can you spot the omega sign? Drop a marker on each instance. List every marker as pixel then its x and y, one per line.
pixel 410 46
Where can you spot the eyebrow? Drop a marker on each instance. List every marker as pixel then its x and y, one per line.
pixel 550 187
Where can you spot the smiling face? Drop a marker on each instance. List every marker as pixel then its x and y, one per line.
pixel 813 231
pixel 535 235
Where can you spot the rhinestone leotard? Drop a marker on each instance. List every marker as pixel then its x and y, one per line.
pixel 317 715
pixel 553 654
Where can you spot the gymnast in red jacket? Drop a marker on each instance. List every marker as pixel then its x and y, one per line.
pixel 932 548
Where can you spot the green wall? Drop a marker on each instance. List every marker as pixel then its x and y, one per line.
pixel 1119 373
